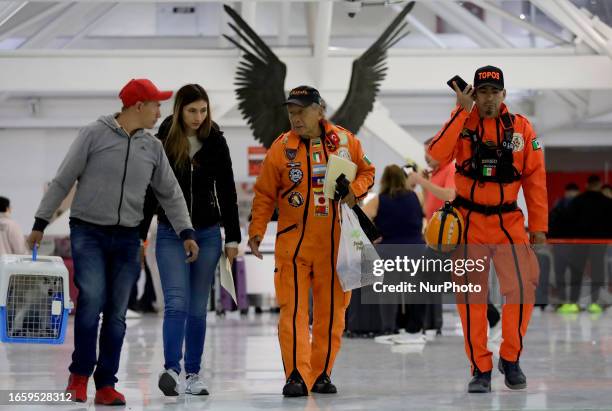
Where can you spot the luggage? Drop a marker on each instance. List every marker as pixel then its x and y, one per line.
pixel 369 320
pixel 432 317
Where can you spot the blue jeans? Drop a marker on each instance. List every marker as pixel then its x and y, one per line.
pixel 106 266
pixel 186 288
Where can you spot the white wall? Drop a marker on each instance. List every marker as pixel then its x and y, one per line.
pixel 29 159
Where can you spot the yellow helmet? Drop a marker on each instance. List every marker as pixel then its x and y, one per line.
pixel 445 229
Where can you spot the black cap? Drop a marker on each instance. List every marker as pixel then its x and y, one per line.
pixel 489 76
pixel 304 96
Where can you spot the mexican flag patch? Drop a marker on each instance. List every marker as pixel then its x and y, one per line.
pixel 535 144
pixel 488 171
pixel 367 160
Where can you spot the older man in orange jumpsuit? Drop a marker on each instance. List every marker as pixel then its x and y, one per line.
pixel 307 238
pixel 496 153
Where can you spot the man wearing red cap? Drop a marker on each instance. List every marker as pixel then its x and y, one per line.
pixel 114 160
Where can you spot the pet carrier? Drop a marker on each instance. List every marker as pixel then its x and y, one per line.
pixel 34 299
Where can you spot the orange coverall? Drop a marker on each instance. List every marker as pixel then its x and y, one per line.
pixel 515 263
pixel 307 243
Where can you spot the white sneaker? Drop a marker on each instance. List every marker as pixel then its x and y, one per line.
pixel 384 339
pixel 168 383
pixel 131 314
pixel 406 338
pixel 194 385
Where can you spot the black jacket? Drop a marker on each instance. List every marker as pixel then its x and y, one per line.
pixel 589 215
pixel 559 224
pixel 208 186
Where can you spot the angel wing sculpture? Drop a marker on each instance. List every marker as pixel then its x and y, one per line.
pixel 260 80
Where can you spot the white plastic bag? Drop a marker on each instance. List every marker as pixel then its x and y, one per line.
pixel 353 245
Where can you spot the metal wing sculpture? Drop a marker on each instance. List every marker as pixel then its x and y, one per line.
pixel 260 80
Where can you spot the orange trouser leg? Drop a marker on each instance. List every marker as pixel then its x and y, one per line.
pixel 515 319
pixel 330 303
pixel 517 269
pixel 474 322
pixel 292 283
pixel 472 308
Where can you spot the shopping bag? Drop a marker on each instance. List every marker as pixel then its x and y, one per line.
pixel 354 248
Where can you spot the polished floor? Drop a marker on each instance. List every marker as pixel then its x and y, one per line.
pixel 568 362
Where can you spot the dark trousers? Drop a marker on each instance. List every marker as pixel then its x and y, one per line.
pixel 576 257
pixel 106 265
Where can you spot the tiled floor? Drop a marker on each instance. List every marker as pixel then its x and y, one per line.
pixel 568 362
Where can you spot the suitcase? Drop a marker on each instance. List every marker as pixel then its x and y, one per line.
pixel 432 317
pixel 369 320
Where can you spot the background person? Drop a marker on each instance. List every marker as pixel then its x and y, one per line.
pixel 588 217
pixel 12 240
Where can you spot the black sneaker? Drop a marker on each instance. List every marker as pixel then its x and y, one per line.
pixel 480 383
pixel 323 385
pixel 515 379
pixel 295 386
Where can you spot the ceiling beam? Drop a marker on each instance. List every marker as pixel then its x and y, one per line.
pixel 408 71
pixel 493 8
pixel 586 26
pixel 91 25
pixel 194 1
pixel 423 29
pixel 47 33
pixel 9 10
pixel 52 10
pixel 559 10
pixel 485 35
pixel 468 24
pixel 603 28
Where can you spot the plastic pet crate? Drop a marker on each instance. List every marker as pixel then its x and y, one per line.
pixel 34 299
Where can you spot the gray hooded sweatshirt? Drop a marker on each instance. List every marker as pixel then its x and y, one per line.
pixel 113 171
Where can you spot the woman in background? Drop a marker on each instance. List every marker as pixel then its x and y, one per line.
pixel 397 210
pixel 398 214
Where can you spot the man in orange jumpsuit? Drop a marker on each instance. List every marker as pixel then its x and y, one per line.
pixel 496 153
pixel 307 239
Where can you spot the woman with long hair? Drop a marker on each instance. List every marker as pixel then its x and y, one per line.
pixel 200 158
pixel 396 210
pixel 398 214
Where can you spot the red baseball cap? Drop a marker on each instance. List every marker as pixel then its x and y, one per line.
pixel 142 89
